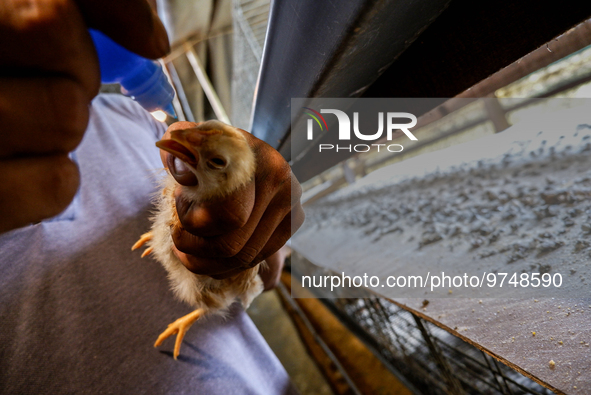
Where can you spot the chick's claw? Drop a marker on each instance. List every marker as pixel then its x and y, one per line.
pixel 143 239
pixel 147 251
pixel 179 327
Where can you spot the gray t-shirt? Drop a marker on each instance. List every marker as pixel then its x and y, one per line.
pixel 79 312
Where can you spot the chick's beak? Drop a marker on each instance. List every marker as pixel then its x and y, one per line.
pixel 179 146
pixel 184 143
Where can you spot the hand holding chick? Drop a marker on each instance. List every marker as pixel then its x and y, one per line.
pixel 227 204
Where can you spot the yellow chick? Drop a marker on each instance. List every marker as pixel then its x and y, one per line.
pixel 220 158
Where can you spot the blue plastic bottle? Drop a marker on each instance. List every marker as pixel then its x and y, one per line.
pixel 141 79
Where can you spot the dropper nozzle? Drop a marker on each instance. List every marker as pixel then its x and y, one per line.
pixel 169 109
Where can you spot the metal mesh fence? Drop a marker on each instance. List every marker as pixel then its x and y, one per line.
pixel 250 25
pixel 428 357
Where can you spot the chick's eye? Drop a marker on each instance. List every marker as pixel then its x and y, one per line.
pixel 216 163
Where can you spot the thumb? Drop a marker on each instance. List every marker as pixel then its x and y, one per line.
pixel 216 217
pixel 131 23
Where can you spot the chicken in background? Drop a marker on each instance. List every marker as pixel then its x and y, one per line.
pixel 221 160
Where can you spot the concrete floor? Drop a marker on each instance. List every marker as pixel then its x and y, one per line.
pixel 277 328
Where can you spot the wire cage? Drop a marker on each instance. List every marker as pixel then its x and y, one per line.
pixel 426 358
pixel 432 360
pixel 250 26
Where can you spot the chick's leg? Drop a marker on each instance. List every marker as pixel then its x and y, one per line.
pixel 179 327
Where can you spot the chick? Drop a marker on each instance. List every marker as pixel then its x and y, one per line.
pixel 221 160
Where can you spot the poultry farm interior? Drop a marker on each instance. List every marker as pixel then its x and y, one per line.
pixel 223 64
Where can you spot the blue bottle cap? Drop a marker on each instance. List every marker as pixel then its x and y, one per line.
pixel 141 79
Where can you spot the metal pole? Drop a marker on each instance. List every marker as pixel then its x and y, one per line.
pixel 180 90
pixel 206 85
pixel 175 100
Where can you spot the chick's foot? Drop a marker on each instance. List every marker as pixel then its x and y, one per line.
pixel 143 240
pixel 179 327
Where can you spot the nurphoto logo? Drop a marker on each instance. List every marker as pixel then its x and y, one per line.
pixel 344 132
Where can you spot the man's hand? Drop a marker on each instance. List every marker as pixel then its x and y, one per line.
pixel 49 74
pixel 226 236
pixel 271 272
